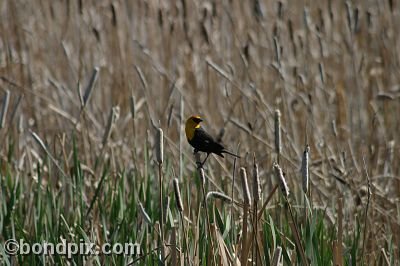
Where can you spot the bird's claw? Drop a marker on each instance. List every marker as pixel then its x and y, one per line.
pixel 199 164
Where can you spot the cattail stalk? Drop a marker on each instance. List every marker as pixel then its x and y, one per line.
pixel 369 193
pixel 132 102
pixel 203 183
pixel 160 158
pixel 292 223
pixel 278 141
pixel 182 126
pixel 232 192
pixel 179 205
pixel 246 201
pixel 305 174
pixel 256 198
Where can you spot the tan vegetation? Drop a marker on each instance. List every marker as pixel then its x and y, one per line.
pixel 109 74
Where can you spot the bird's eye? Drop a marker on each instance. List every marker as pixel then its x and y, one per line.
pixel 197 119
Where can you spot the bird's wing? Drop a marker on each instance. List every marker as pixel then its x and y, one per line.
pixel 206 139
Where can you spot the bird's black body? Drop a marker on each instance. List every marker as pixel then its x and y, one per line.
pixel 202 141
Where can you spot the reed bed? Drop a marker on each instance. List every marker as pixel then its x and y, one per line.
pixel 94 96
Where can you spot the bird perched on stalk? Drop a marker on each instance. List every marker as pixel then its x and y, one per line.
pixel 200 140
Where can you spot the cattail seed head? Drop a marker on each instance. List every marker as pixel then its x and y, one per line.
pixel 256 183
pixel 219 195
pixel 245 186
pixel 160 146
pixel 202 175
pixel 278 146
pixel 277 50
pixel 177 192
pixel 21 124
pixel 305 174
pixel 277 256
pixel 113 117
pixel 391 145
pixel 282 181
pixel 6 101
pixel 89 88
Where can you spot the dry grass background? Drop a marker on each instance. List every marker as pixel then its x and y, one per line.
pixel 330 67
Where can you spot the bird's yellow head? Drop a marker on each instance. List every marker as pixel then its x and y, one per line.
pixel 192 124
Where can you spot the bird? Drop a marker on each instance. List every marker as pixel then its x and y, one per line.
pixel 200 140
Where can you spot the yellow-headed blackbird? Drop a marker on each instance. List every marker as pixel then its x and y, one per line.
pixel 201 140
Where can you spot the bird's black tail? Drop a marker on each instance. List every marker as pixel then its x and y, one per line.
pixel 230 153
